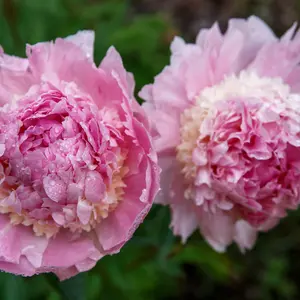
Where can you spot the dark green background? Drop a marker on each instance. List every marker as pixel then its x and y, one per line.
pixel 154 264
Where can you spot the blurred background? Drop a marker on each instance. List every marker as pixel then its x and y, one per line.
pixel 154 264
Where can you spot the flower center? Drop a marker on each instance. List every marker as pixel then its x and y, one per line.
pixel 206 124
pixel 85 217
pixel 62 163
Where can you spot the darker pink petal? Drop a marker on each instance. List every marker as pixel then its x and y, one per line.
pixel 78 171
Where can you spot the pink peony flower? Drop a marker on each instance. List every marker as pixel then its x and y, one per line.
pixel 226 117
pixel 78 173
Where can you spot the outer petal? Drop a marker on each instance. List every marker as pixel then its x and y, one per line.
pixel 170 174
pixel 85 40
pixel 217 228
pixel 141 189
pixel 118 228
pixel 23 267
pixel 184 217
pixel 66 273
pixel 184 220
pixel 168 90
pixel 49 56
pixel 245 38
pixel 293 79
pixel 57 61
pixel 63 61
pixel 65 251
pixel 15 78
pixel 141 186
pixel 279 59
pixel 289 34
pixel 210 38
pixel 141 181
pixel 83 266
pixel 20 241
pixel 166 127
pixel 245 235
pixel 255 28
pixel 113 62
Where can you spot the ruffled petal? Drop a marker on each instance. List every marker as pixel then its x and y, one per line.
pixel 217 228
pixel 15 77
pixel 66 251
pixel 245 235
pixel 85 40
pixel 20 241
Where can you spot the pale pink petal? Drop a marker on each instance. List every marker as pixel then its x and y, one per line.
pixel 228 61
pixel 85 40
pixel 169 173
pixel 168 92
pixel 245 235
pixel 15 77
pixel 66 273
pixel 20 242
pixel 113 62
pixel 184 219
pixel 210 38
pixel 166 126
pixel 64 251
pixel 217 228
pixel 23 267
pixel 289 34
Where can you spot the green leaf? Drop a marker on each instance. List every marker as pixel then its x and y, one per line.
pixel 212 263
pixel 14 287
pixel 70 289
pixel 94 286
pixel 75 287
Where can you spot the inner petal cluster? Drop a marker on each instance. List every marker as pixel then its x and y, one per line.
pixel 62 161
pixel 240 150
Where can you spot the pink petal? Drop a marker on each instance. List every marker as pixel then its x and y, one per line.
pixel 55 188
pixel 20 241
pixel 184 220
pixel 217 228
pixel 65 251
pixel 245 235
pixel 84 211
pixel 85 40
pixel 94 187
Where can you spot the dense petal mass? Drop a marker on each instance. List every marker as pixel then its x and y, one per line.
pixel 226 124
pixel 78 172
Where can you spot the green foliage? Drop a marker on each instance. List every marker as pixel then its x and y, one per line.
pixel 141 40
pixel 154 264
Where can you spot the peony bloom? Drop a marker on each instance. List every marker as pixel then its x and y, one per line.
pixel 226 117
pixel 78 173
